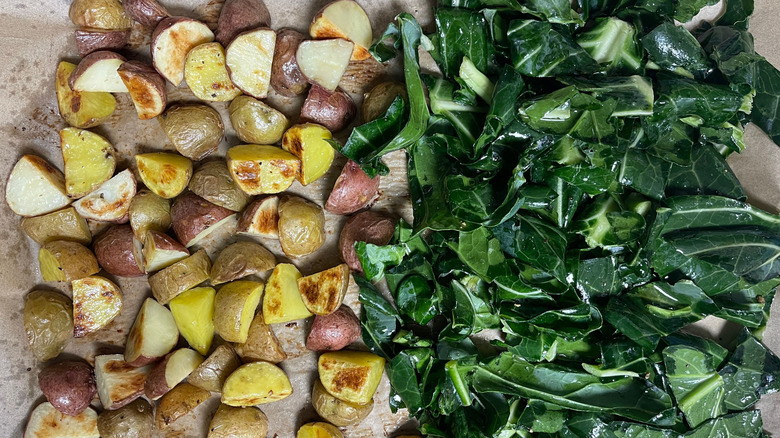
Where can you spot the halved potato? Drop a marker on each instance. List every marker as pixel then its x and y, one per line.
pixel 178 402
pixel 207 75
pixel 194 218
pixel 68 385
pixel 301 226
pixel 46 421
pixel 172 40
pixel 378 100
pixel 256 383
pixel 65 224
pixel 324 291
pixel 100 14
pixel 98 72
pixel 232 422
pixel 212 182
pixel 161 251
pixel 282 301
pixel 149 211
pixel 111 201
pixel 360 75
pixel 180 276
pixel 319 430
pixel 261 344
pixel 117 252
pixel 308 143
pixel 96 302
pixel 256 122
pixel 152 336
pixel 249 59
pixel 238 16
pixel 344 19
pixel 240 260
pixel 90 40
pixel 146 88
pixel 338 412
pixel 235 306
pixel 352 376
pixel 332 109
pixel 261 218
pixel 118 382
pixel 194 129
pixel 165 174
pixel 324 62
pixel 61 260
pixel 286 76
pixel 261 169
pixel 171 371
pixel 48 323
pixel 89 161
pixel 35 187
pixel 146 12
pixel 193 312
pixel 81 109
pixel 213 372
pixel 134 420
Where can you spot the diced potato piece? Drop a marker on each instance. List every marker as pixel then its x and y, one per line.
pixel 240 260
pixel 206 74
pixel 48 323
pixel 35 187
pixel 111 201
pixel 232 422
pixel 152 335
pixel 261 344
pixel 324 62
pixel 82 109
pixel 352 376
pixel 261 169
pixel 167 175
pixel 65 224
pixel 161 251
pixel 61 260
pixel 100 14
pixel 118 382
pixel 255 122
pixel 46 421
pixel 89 161
pixel 261 218
pixel 149 211
pixel 235 307
pixel 213 372
pixel 194 218
pixel 249 59
pixel 324 291
pixel 146 88
pixel 282 301
pixel 193 312
pixel 344 19
pixel 301 226
pixel 90 40
pixel 97 72
pixel 96 302
pixel 319 430
pixel 180 276
pixel 308 143
pixel 238 16
pixel 256 383
pixel 178 402
pixel 195 129
pixel 171 371
pixel 212 182
pixel 172 40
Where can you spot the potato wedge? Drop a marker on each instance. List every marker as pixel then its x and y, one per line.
pixel 286 76
pixel 213 372
pixel 239 16
pixel 134 420
pixel 170 372
pixel 149 212
pixel 178 402
pixel 261 218
pixel 96 302
pixel 35 187
pixel 255 122
pixel 360 75
pixel 118 382
pixel 366 226
pixel 319 430
pixel 261 343
pixel 261 169
pixel 180 276
pixel 234 309
pixel 353 190
pixel 206 74
pixel 152 335
pixel 69 386
pixel 256 383
pixel 193 312
pixel 146 88
pixel 301 226
pixel 282 300
pixel 46 421
pixel 324 62
pixel 48 323
pixel 61 260
pixel 194 129
pixel 111 201
pixel 165 174
pixel 161 251
pixel 89 161
pixel 335 331
pixel 146 12
pixel 240 260
pixel 115 250
pixel 324 291
pixel 378 100
pixel 90 40
pixel 352 376
pixel 212 182
pixel 335 411
pixel 65 224
pixel 344 19
pixel 194 218
pixel 231 422
pixel 248 60
pixel 333 110
pixel 81 109
pixel 100 14
pixel 309 143
pixel 172 40
pixel 97 72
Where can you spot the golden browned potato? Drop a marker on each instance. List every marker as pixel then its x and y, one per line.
pixel 65 224
pixel 213 372
pixel 81 110
pixel 134 420
pixel 194 129
pixel 255 122
pixel 286 77
pixel 378 100
pixel 352 376
pixel 301 226
pixel 165 174
pixel 100 14
pixel 261 218
pixel 239 260
pixel 282 301
pixel 115 252
pixel 48 322
pixel 46 421
pixel 177 403
pixel 212 182
pixel 353 190
pixel 239 16
pixel 118 382
pixel 149 212
pixel 180 276
pixel 324 291
pixel 195 218
pixel 146 12
pixel 61 260
pixel 111 201
pixel 235 307
pixel 309 142
pixel 90 40
pixel 172 40
pixel 69 386
pixel 256 383
pixel 206 74
pixel 232 422
pixel 89 161
pixel 249 59
pixel 261 344
pixel 338 412
pixel 344 19
pixel 333 110
pixel 98 72
pixel 319 430
pixel 96 302
pixel 366 226
pixel 262 169
pixel 146 87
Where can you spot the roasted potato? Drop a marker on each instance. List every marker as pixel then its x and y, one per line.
pixel 90 40
pixel 100 14
pixel 146 88
pixel 324 62
pixel 231 422
pixel 81 110
pixel 180 276
pixel 165 174
pixel 324 291
pixel 193 312
pixel 65 224
pixel 333 110
pixel 335 411
pixel 234 309
pixel 378 100
pixel 62 260
pixel 282 301
pixel 301 226
pixel 97 72
pixel 89 161
pixel 171 371
pixel 69 386
pixel 152 336
pixel 177 403
pixel 46 421
pixel 366 226
pixel 286 77
pixel 146 12
pixel 261 218
pixel 318 430
pixel 118 382
pixel 206 74
pixel 309 143
pixel 256 383
pixel 248 60
pixel 259 169
pixel 172 40
pixel 261 343
pixel 239 260
pixel 213 372
pixel 212 182
pixel 111 201
pixel 96 302
pixel 359 75
pixel 334 331
pixel 344 19
pixel 161 251
pixel 149 211
pixel 48 323
pixel 134 420
pixel 114 250
pixel 35 187
pixel 255 122
pixel 195 218
pixel 238 16
pixel 351 376
pixel 194 129
pixel 353 190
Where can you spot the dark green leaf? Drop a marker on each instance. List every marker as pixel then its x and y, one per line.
pixel 539 50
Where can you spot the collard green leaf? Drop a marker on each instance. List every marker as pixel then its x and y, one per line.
pixel 540 245
pixel 697 387
pixel 745 424
pixel 460 33
pixel 737 13
pixel 427 177
pixel 612 43
pixel 378 318
pixel 674 49
pixel 539 50
pixel 415 298
pixel 706 174
pixel 687 9
pixel 752 371
pixel 375 259
pixel 542 417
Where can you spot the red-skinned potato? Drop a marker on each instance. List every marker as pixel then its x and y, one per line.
pixel 344 19
pixel 367 226
pixel 334 331
pixel 324 62
pixel 146 12
pixel 194 218
pixel 261 218
pixel 172 40
pixel 46 421
pixel 69 386
pixel 114 252
pixel 353 190
pixel 161 251
pixel 286 77
pixel 333 110
pixel 98 72
pixel 90 40
pixel 146 88
pixel 111 201
pixel 171 371
pixel 118 382
pixel 152 336
pixel 239 16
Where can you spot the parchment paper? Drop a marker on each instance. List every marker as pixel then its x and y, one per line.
pixel 36 34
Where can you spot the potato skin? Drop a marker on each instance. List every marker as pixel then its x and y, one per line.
pixel 149 211
pixel 134 420
pixel 192 215
pixel 178 402
pixel 146 12
pixel 139 78
pixel 332 110
pixel 367 226
pixel 301 226
pixel 100 14
pixel 194 129
pixel 69 386
pixel 48 322
pixel 240 260
pixel 65 224
pixel 232 422
pixel 238 16
pixel 255 122
pixel 90 40
pixel 334 331
pixel 261 344
pixel 379 99
pixel 114 252
pixel 212 373
pixel 335 411
pixel 212 182
pixel 286 77
pixel 353 190
pixel 74 261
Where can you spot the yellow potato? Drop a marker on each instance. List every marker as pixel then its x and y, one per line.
pixel 193 312
pixel 178 402
pixel 82 109
pixel 301 226
pixel 180 276
pixel 66 261
pixel 308 143
pixel 149 211
pixel 230 422
pixel 259 169
pixel 319 430
pixel 96 302
pixel 48 323
pixel 213 372
pixel 256 383
pixel 65 224
pixel 352 376
pixel 240 260
pixel 261 343
pixel 89 161
pixel 165 174
pixel 324 291
pixel 234 309
pixel 282 301
pixel 206 74
pixel 337 412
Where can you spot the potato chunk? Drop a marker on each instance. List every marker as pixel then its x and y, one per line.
pixel 97 72
pixel 261 169
pixel 194 129
pixel 152 336
pixel 65 224
pixel 324 291
pixel 66 261
pixel 161 251
pixel 96 302
pixel 212 182
pixel 352 376
pixel 256 122
pixel 46 421
pixel 180 276
pixel 213 372
pixel 165 174
pixel 118 382
pixel 81 109
pixel 178 402
pixel 100 14
pixel 240 260
pixel 309 143
pixel 89 161
pixel 206 74
pixel 324 62
pixel 261 343
pixel 48 323
pixel 111 201
pixel 282 301
pixel 301 226
pixel 193 312
pixel 146 88
pixel 249 59
pixel 235 307
pixel 231 422
pixel 344 19
pixel 256 383
pixel 36 187
pixel 172 40
pixel 261 218
pixel 319 430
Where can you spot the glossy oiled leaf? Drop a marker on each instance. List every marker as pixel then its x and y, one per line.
pixel 706 174
pixel 673 48
pixel 687 9
pixel 542 417
pixel 752 371
pixel 540 245
pixel 612 42
pixel 378 318
pixel 460 33
pixel 696 386
pixel 539 50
